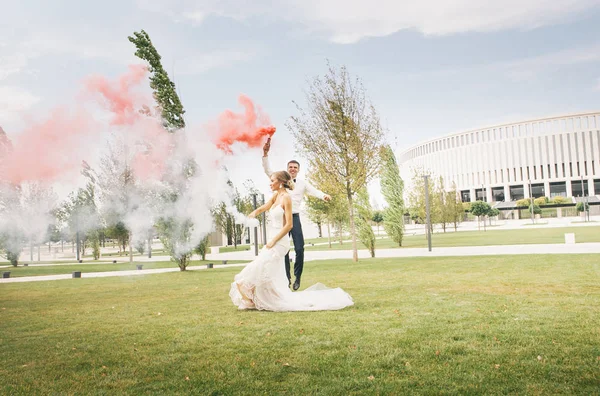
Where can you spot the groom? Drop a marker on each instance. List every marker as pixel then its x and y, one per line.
pixel 301 188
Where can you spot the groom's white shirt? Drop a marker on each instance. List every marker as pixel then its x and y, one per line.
pixel 301 188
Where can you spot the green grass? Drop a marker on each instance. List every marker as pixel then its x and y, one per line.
pixel 454 325
pixel 69 268
pixel 481 238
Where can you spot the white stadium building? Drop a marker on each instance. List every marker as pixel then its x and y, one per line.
pixel 504 163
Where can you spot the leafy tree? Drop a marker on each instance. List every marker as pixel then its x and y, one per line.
pixel 377 218
pixel 392 189
pixel 335 211
pixel 202 247
pixel 457 208
pixel 340 135
pixel 416 197
pixel 316 209
pixel 480 208
pixel 493 213
pixel 582 207
pixel 363 219
pixel 165 93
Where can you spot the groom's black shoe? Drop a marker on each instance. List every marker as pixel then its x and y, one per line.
pixel 297 284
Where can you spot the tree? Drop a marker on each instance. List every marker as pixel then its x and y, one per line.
pixel 363 220
pixel 377 218
pixel 416 199
pixel 335 211
pixel 202 247
pixel 442 204
pixel 392 188
pixel 457 208
pixel 316 210
pixel 480 208
pixel 165 93
pixel 175 229
pixel 341 136
pixel 175 236
pixel 493 213
pixel 580 207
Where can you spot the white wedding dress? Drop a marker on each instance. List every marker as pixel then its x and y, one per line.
pixel 263 284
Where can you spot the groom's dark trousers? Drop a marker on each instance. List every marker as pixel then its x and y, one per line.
pixel 298 239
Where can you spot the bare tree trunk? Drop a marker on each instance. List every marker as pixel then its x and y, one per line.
pixel 150 244
pixel 38 246
pixel 329 233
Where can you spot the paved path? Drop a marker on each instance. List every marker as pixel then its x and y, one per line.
pixel 248 255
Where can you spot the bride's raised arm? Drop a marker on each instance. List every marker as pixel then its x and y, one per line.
pixel 263 208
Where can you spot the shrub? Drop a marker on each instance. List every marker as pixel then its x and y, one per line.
pixel 536 209
pixel 523 203
pixel 559 200
pixel 580 207
pixel 541 201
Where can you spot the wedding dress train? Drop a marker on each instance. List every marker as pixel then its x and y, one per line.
pixel 263 284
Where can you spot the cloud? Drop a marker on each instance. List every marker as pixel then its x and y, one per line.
pixel 348 21
pixel 529 68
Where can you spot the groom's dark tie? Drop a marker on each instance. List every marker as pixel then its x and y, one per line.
pixel 294 180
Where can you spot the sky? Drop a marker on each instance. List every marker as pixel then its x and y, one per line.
pixel 430 68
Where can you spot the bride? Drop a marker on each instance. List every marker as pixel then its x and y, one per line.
pixel 263 284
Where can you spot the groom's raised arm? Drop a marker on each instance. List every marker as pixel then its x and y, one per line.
pixel 265 158
pixel 313 191
pixel 266 166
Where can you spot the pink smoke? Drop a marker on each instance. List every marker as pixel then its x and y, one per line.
pixel 250 127
pixel 48 150
pixel 54 149
pixel 119 96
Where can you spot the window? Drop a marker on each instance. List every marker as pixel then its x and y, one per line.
pixel 558 189
pixel 538 190
pixel 465 196
pixel 497 194
pixel 577 186
pixel 516 192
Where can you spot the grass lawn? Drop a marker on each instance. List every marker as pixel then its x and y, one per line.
pixel 69 268
pixel 473 325
pixel 481 238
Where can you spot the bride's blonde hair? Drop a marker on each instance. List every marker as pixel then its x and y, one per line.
pixel 285 179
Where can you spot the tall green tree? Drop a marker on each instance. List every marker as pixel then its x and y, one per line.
pixel 363 220
pixel 165 93
pixel 416 198
pixel 392 189
pixel 174 231
pixel 457 208
pixel 340 134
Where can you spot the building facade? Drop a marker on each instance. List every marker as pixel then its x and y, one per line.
pixel 542 157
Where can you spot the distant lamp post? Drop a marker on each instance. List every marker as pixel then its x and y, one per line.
pixel 427 211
